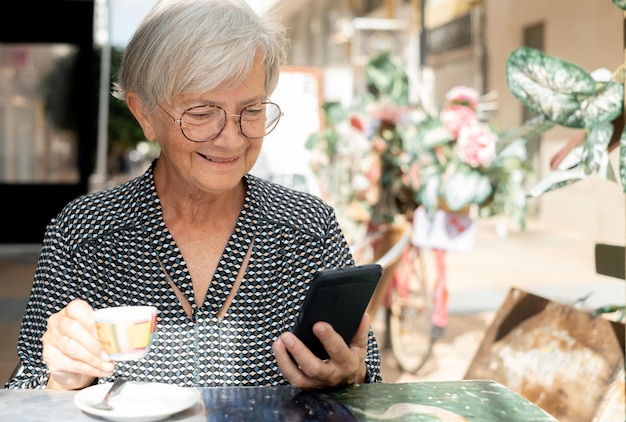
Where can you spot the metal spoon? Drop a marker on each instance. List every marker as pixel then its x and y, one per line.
pixel 113 391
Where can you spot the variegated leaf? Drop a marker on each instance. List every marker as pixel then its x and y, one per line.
pixel 557 179
pixel 546 84
pixel 572 159
pixel 597 150
pixel 463 188
pixel 604 106
pixel 530 129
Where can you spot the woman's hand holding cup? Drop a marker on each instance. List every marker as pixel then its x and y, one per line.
pixel 72 350
pixel 81 344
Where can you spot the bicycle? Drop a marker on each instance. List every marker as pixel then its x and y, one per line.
pixel 417 316
pixel 414 317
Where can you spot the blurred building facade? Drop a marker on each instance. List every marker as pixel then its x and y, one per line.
pixel 467 42
pixel 464 42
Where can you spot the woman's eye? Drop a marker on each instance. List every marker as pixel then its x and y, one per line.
pixel 252 112
pixel 204 114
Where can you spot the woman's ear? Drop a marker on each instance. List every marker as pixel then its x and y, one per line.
pixel 142 114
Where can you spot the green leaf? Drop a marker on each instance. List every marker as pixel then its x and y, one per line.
pixel 335 113
pixel 546 84
pixel 464 188
pixel 597 159
pixel 604 106
pixel 557 179
pixel 432 133
pixel 587 158
pixel 385 78
pixel 607 105
pixel 529 130
pixel 430 193
pixel 573 159
pixel 516 149
pixel 313 141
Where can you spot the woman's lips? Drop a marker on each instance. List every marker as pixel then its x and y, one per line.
pixel 218 159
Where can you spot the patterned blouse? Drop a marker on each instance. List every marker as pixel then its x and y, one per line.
pixel 112 248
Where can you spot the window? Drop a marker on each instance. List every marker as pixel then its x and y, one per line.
pixel 38 121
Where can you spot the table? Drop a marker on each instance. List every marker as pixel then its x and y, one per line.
pixel 450 401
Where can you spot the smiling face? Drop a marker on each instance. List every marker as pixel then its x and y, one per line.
pixel 217 166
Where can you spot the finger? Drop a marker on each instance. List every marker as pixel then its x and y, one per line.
pixel 290 354
pixel 347 363
pixel 358 346
pixel 68 355
pixel 80 340
pixel 70 342
pixel 361 336
pixel 80 312
pixel 295 351
pixel 68 381
pixel 340 365
pixel 286 363
pixel 333 343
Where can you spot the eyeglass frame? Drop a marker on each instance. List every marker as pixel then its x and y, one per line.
pixel 180 120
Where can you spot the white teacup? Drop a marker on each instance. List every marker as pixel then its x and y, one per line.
pixel 126 332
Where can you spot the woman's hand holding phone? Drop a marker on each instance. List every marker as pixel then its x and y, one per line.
pixel 328 344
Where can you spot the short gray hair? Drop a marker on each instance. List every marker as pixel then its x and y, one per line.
pixel 185 46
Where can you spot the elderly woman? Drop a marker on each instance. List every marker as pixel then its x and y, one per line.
pixel 226 257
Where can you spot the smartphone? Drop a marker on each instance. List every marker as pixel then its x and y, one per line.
pixel 340 297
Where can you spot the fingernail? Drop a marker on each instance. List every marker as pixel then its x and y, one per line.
pixel 278 345
pixel 108 367
pixel 320 329
pixel 287 340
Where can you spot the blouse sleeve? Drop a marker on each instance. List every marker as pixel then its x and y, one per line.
pixel 52 290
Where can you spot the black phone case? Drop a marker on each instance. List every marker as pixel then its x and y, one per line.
pixel 340 297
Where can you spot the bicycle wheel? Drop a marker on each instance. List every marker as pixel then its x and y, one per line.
pixel 409 320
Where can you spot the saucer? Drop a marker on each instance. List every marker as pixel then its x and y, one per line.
pixel 138 401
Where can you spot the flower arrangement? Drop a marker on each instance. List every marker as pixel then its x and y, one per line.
pixel 462 162
pixel 384 157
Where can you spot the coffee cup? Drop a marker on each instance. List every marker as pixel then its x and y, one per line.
pixel 126 332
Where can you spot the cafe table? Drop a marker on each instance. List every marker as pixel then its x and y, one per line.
pixel 450 401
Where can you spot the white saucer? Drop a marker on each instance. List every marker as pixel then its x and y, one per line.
pixel 138 401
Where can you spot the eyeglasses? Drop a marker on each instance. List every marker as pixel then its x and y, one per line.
pixel 204 123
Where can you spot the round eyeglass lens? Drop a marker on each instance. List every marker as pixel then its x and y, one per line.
pixel 204 123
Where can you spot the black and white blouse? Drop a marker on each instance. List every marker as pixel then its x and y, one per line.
pixel 112 247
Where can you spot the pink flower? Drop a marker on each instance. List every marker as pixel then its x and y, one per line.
pixel 476 145
pixel 456 117
pixel 387 112
pixel 463 95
